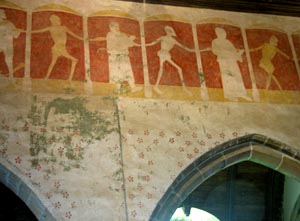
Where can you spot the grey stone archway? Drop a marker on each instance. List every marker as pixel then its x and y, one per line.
pixel 24 192
pixel 254 147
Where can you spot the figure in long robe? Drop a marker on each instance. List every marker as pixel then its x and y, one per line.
pixel 228 57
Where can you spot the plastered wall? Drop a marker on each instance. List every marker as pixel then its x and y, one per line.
pixel 104 103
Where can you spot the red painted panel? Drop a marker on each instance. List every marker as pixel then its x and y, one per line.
pixel 277 60
pixel 206 34
pixel 43 46
pixel 183 58
pixel 98 26
pixel 15 41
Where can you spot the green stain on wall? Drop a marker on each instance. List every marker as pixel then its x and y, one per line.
pixel 65 140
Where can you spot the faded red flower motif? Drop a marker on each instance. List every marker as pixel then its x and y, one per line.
pixel 61 150
pixel 147 178
pixel 155 141
pixel 161 134
pixel 146 132
pixel 57 205
pixel 73 204
pixel 3 152
pixel 180 164
pixel 141 155
pixel 133 213
pixel 189 156
pixel 46 176
pixel 130 131
pixel 202 143
pixel 194 135
pixel 209 136
pixel 38 167
pixel 26 127
pixel 57 184
pixel 235 134
pixel 68 215
pixel 177 133
pixel 149 196
pixel 222 135
pixel 217 143
pixel 18 160
pixel 140 204
pixel 65 195
pixel 188 143
pixel 131 196
pixel 130 179
pixel 181 149
pixel 140 140
pixel 140 187
pixel 150 162
pixel 196 150
pixel 171 140
pixel 149 149
pixel 48 195
pixel 28 174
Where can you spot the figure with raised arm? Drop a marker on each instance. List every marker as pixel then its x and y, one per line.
pixel 269 50
pixel 167 42
pixel 58 34
pixel 117 46
pixel 7 34
pixel 228 57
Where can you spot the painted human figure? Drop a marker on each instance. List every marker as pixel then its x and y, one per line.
pixel 227 57
pixel 7 34
pixel 120 69
pixel 117 46
pixel 269 50
pixel 167 43
pixel 59 33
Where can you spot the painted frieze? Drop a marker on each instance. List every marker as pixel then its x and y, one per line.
pixel 272 59
pixel 115 50
pixel 13 24
pixel 224 60
pixel 57 50
pixel 171 54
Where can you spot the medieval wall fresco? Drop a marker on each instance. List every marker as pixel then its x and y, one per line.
pixel 117 52
pixel 103 105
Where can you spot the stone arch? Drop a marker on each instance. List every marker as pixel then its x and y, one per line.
pixel 25 193
pixel 254 147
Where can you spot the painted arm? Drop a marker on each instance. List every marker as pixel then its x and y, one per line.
pixel 256 49
pixel 283 54
pixel 132 39
pixel 154 42
pixel 184 47
pixel 205 49
pixel 98 39
pixel 41 30
pixel 74 35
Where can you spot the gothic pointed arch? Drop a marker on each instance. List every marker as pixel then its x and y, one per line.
pixel 254 147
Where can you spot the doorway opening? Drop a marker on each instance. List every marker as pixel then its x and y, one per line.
pixel 253 148
pixel 12 207
pixel 245 191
